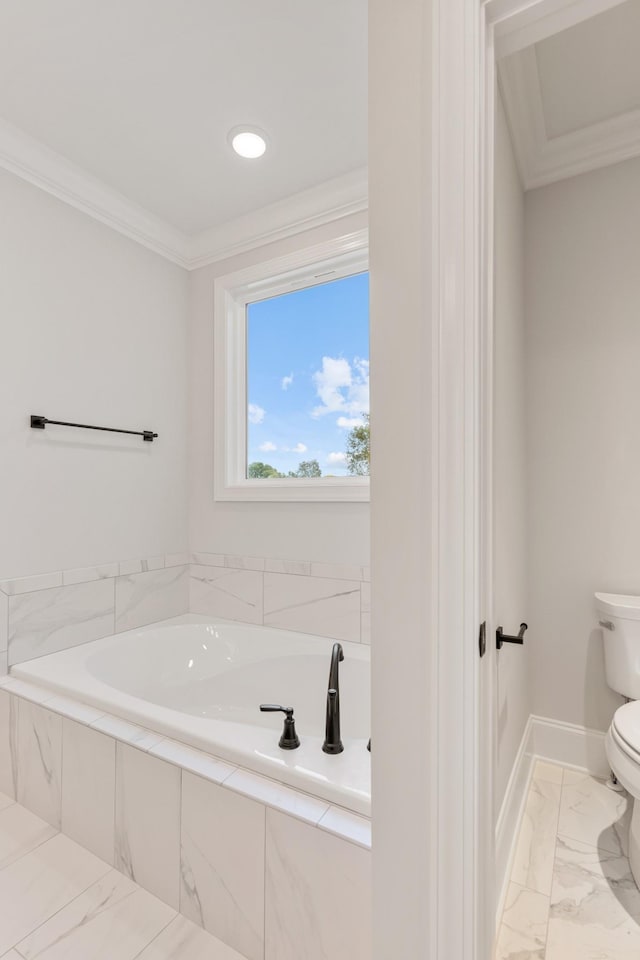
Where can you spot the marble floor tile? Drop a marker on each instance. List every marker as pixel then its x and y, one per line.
pixel 44 881
pixel 112 920
pixel 183 940
pixel 594 814
pixel 21 832
pixel 523 931
pixel 533 863
pixel 595 905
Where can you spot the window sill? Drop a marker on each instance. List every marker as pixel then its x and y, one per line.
pixel 327 490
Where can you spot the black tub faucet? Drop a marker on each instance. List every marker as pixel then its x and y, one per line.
pixel 332 742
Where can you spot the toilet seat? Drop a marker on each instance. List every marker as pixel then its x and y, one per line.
pixel 625 729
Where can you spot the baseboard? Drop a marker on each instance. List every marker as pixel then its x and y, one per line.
pixel 568 744
pixel 511 811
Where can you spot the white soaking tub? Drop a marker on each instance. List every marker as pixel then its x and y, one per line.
pixel 201 680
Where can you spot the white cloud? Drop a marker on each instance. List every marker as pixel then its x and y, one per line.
pixel 299 448
pixel 347 423
pixel 286 382
pixel 335 458
pixel 267 446
pixel 342 387
pixel 255 413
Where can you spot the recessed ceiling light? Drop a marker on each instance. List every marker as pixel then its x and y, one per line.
pixel 248 142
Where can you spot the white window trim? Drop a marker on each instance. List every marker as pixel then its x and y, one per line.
pixel 341 257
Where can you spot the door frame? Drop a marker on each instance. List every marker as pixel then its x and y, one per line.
pixel 432 86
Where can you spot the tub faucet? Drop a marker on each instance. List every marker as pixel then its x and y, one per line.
pixel 332 742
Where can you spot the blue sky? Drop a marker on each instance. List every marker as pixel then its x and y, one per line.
pixel 308 373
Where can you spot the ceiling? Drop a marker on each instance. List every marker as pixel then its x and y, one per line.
pixel 573 99
pixel 141 94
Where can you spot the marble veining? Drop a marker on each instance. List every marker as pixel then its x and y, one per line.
pixel 50 620
pixel 147 822
pixel 112 918
pixel 39 777
pixel 35 887
pixel 225 592
pixel 592 908
pixel 595 905
pixel 325 607
pixel 59 902
pixel 302 892
pixel 592 813
pixel 182 940
pixel 533 864
pixel 142 598
pixel 523 933
pixel 222 864
pixel 8 744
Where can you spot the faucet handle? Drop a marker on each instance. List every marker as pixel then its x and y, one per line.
pixel 289 739
pixel 275 708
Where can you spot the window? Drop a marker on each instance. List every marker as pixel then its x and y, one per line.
pixel 292 377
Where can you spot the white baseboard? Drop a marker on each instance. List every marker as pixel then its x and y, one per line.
pixel 568 744
pixel 510 816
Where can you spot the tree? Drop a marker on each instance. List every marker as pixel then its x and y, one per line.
pixel 358 449
pixel 262 471
pixel 308 468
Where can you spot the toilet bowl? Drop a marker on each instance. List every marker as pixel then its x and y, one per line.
pixel 619 617
pixel 624 760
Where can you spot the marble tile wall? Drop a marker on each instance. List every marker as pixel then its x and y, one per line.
pixel 50 612
pixel 269 871
pixel 328 599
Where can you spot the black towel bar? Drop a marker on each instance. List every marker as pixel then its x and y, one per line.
pixel 39 423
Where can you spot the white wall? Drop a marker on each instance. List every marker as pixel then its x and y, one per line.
pixel 93 329
pixel 510 469
pixel 583 349
pixel 299 531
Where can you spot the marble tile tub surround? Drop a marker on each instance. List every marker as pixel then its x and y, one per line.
pixel 571 896
pixel 50 612
pixel 303 863
pixel 328 599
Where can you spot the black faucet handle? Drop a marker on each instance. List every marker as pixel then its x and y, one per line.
pixel 289 739
pixel 275 708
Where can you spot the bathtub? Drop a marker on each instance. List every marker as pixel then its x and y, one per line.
pixel 201 680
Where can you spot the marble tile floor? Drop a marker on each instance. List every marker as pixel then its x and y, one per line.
pixel 60 902
pixel 571 895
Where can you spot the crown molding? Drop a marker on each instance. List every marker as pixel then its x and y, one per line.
pixel 543 160
pixel 521 23
pixel 325 203
pixel 32 161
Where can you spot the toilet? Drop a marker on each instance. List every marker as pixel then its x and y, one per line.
pixel 619 618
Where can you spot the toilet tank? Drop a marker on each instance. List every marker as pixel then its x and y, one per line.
pixel 619 618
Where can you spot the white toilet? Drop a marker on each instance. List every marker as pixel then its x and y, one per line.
pixel 619 617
